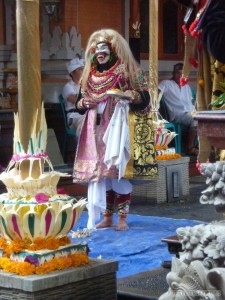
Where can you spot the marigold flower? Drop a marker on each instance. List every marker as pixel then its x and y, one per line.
pixel 201 83
pixel 168 156
pixel 159 147
pixel 16 246
pixel 64 241
pixel 26 268
pixel 52 243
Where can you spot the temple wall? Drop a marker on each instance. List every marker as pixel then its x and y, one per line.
pixel 65 36
pixel 62 38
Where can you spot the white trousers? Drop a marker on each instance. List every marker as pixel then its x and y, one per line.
pixel 97 196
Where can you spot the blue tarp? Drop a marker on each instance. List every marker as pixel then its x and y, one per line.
pixel 138 249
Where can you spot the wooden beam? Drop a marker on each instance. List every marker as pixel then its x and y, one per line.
pixel 153 52
pixel 28 58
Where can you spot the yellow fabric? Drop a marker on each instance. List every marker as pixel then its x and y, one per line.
pixel 153 53
pixel 204 73
pixel 218 71
pixel 190 45
pixel 204 93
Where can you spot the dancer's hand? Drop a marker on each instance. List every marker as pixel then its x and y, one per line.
pixel 88 103
pixel 133 95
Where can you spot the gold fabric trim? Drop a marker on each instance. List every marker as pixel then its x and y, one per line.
pixel 129 169
pixel 143 164
pixel 218 75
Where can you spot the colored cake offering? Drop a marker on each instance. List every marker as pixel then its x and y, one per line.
pixel 163 138
pixel 35 216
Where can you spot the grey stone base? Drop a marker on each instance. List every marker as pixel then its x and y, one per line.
pixel 96 280
pixel 172 183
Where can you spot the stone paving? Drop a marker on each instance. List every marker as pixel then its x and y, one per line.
pixel 189 208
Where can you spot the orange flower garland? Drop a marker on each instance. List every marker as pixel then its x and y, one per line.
pixel 168 156
pixel 74 260
pixel 25 268
pixel 39 243
pixel 158 147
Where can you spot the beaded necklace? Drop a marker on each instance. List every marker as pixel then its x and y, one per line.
pixel 99 83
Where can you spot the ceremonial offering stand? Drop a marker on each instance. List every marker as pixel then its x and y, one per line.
pixel 96 280
pixel 212 125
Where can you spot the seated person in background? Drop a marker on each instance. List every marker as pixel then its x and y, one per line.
pixel 178 101
pixel 70 93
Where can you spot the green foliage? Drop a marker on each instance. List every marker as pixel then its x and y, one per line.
pixel 221 99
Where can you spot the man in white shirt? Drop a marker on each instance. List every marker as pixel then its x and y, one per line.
pixel 178 101
pixel 70 93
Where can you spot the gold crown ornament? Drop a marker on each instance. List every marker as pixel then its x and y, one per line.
pixel 102 39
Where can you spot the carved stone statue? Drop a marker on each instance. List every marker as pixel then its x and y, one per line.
pixel 199 273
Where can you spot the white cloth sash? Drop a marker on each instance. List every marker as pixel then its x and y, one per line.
pixel 117 139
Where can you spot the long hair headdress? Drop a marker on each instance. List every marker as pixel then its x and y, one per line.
pixel 118 45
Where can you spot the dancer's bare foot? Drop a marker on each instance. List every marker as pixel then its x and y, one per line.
pixel 122 224
pixel 106 222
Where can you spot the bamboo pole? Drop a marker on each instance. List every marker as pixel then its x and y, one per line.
pixel 29 79
pixel 153 52
pixel 28 58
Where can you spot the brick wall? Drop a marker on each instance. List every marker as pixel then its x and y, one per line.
pixel 88 16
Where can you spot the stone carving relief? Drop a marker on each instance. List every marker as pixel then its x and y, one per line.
pixel 194 281
pixel 54 45
pixel 61 45
pixel 199 273
pixel 215 193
